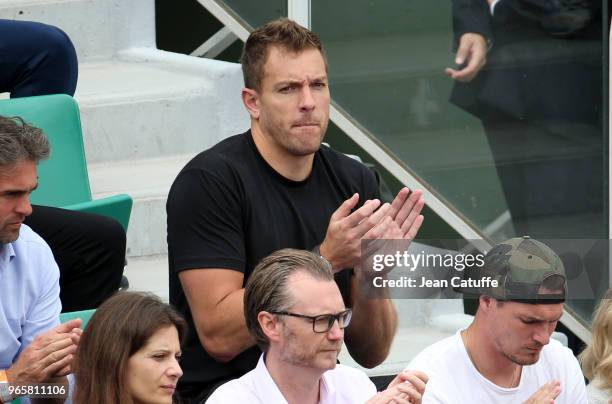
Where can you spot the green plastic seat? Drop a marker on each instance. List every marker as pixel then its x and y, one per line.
pixel 84 315
pixel 63 179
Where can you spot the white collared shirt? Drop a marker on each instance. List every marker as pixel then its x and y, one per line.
pixel 341 385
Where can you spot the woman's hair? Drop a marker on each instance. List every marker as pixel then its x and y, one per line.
pixel 118 329
pixel 596 359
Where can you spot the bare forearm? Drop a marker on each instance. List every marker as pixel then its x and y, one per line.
pixel 223 330
pixel 372 329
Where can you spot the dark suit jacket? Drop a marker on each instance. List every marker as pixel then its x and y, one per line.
pixel 531 72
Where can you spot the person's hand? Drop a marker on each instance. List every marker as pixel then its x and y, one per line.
pixel 472 53
pixel 545 394
pixel 342 244
pixel 416 381
pixel 406 213
pixel 48 356
pixel 402 393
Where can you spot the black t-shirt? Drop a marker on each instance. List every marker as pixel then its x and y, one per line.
pixel 228 209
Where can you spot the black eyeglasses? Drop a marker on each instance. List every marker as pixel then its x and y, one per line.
pixel 324 322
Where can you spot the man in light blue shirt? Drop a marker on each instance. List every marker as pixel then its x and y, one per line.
pixel 34 347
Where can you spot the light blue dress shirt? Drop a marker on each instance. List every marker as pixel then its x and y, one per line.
pixel 29 293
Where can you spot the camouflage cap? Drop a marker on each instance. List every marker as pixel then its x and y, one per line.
pixel 526 270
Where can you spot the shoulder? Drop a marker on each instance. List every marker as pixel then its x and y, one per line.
pixel 230 150
pixel 554 353
pixel 30 239
pixel 216 168
pixel 31 246
pixel 438 356
pixel 559 362
pixel 348 173
pixel 343 372
pixel 237 390
pixel 227 153
pixel 342 162
pixel 597 395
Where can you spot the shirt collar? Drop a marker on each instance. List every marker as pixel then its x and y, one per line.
pixel 7 252
pixel 266 388
pixel 327 390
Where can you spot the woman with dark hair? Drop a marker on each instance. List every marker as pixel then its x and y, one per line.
pixel 129 351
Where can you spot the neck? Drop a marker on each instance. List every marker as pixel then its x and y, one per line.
pixel 296 383
pixel 487 359
pixel 290 166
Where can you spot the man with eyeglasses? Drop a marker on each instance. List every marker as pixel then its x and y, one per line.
pixel 295 312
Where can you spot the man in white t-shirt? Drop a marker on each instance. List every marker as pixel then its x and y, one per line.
pixel 294 310
pixel 506 355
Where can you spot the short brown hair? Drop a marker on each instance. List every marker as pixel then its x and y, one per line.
pixel 284 33
pixel 266 288
pixel 20 141
pixel 117 330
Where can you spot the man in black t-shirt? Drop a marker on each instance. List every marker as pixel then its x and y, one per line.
pixel 273 187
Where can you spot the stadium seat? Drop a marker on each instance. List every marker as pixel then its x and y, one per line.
pixel 63 178
pixel 84 315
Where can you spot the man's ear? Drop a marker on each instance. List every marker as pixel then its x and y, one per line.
pixel 250 99
pixel 270 325
pixel 485 303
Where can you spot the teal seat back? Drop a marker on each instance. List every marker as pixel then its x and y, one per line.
pixel 84 315
pixel 63 178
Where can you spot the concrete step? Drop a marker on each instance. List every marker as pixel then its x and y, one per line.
pixel 147 182
pixel 150 103
pixel 149 274
pixel 98 28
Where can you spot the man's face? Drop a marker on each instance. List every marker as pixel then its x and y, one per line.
pixel 522 330
pixel 16 184
pixel 293 102
pixel 300 345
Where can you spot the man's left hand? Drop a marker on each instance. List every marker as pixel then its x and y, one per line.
pixel 471 54
pixel 406 213
pixel 416 381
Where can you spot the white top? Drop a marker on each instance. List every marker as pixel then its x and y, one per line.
pixel 454 379
pixel 29 293
pixel 597 395
pixel 341 385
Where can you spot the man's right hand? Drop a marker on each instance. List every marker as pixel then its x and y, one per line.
pixel 545 394
pixel 342 244
pixel 49 355
pixel 471 57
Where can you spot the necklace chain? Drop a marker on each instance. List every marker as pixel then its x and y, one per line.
pixel 516 374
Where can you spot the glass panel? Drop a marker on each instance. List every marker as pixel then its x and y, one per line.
pixel 520 148
pixel 256 13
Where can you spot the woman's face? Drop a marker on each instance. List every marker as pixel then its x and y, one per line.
pixel 153 371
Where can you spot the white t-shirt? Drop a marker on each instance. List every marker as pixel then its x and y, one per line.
pixel 454 379
pixel 341 385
